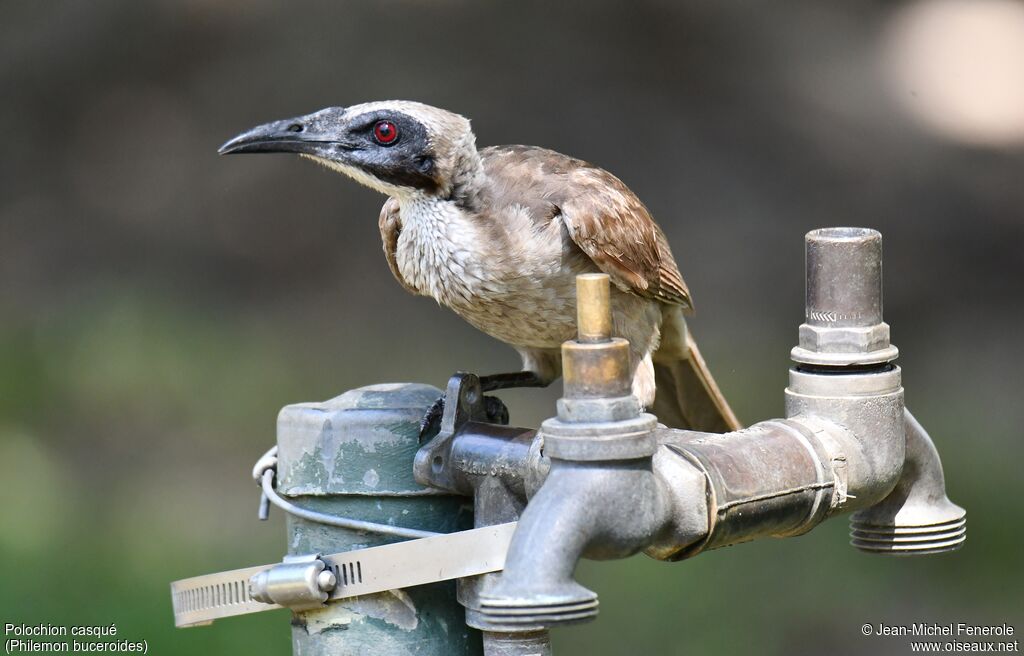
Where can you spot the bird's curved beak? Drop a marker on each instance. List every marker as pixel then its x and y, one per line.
pixel 312 134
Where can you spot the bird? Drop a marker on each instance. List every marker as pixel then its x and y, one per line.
pixel 498 235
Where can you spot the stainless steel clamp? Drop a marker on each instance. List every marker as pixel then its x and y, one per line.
pixel 299 583
pixel 310 581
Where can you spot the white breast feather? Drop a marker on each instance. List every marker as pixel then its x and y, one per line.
pixel 517 286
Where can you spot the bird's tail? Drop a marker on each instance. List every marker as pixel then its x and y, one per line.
pixel 687 395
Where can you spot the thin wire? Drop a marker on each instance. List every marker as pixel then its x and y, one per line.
pixel 267 481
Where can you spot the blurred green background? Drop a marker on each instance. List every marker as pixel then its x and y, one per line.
pixel 158 305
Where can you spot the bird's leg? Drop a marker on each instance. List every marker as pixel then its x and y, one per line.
pixel 496 410
pixel 496 382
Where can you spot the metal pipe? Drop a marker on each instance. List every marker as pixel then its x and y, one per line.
pixel 769 480
pixel 486 450
pixel 782 478
pixel 494 502
pixel 533 643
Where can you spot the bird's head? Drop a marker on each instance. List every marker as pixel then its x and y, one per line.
pixel 400 148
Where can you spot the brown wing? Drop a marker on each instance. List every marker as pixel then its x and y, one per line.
pixel 605 219
pixel 390 223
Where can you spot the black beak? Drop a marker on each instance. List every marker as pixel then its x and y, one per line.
pixel 312 134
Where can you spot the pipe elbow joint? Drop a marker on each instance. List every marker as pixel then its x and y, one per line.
pixel 858 418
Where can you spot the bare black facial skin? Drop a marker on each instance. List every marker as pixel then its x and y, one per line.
pixel 357 141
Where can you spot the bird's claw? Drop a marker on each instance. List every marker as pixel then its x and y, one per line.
pixel 431 422
pixel 496 411
pixel 494 408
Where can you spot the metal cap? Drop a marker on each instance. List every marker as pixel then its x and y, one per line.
pixel 843 308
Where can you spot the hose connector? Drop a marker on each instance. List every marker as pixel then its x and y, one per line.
pixel 917 518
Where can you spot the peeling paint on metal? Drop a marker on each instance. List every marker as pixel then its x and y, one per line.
pixel 394 607
pixel 352 456
pixel 318 621
pixel 330 443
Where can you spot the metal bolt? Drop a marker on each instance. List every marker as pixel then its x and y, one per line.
pixel 326 580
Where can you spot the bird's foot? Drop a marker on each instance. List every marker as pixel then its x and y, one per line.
pixel 497 412
pixel 430 425
pixel 431 422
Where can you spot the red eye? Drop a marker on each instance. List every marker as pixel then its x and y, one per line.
pixel 385 132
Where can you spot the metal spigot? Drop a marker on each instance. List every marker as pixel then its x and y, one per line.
pixel 600 499
pixel 844 371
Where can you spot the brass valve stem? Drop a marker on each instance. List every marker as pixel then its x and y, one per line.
pixel 593 308
pixel 595 365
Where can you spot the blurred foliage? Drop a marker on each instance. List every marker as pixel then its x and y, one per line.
pixel 158 305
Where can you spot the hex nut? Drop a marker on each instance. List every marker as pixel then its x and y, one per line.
pixel 844 339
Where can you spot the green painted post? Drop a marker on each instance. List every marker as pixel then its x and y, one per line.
pixel 352 456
